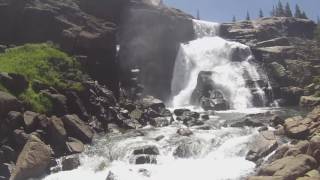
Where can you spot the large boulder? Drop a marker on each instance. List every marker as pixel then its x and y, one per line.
pixel 78 32
pixel 167 27
pixel 77 128
pixel 295 128
pixel 57 134
pixel 268 28
pixel 33 160
pixel 262 145
pixel 290 167
pixel 8 103
pixel 14 82
pixel 309 101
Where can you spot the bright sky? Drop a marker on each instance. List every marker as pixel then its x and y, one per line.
pixel 223 10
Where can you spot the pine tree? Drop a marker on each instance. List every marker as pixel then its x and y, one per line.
pixel 287 11
pixel 198 14
pixel 280 10
pixel 234 19
pixel 273 12
pixel 248 16
pixel 298 13
pixel 260 13
pixel 304 15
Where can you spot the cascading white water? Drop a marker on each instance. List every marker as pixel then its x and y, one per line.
pixel 215 154
pixel 229 62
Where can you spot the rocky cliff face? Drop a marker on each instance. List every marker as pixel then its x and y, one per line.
pixel 79 27
pixel 285 49
pixel 149 39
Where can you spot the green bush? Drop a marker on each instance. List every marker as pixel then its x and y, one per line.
pixel 43 63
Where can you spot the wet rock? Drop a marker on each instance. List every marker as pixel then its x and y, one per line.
pixel 30 121
pixel 184 132
pixel 205 117
pixel 263 128
pixel 180 112
pixel 295 129
pixel 145 159
pixel 15 83
pixel 309 101
pixel 113 128
pixel 74 145
pixel 262 145
pixel 70 163
pixel 160 121
pixel 144 172
pixel 8 103
pixel 150 150
pixel 188 148
pixel 33 160
pixel 131 124
pixel 247 122
pixel 112 176
pixel 77 128
pixel 153 103
pixel 192 114
pixel 159 138
pixel 291 95
pixel 279 153
pixel 290 167
pixel 193 122
pixel 43 122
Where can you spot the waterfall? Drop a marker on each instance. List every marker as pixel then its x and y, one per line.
pixel 230 62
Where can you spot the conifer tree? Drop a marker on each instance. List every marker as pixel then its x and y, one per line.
pixel 198 14
pixel 248 16
pixel 234 19
pixel 260 13
pixel 298 13
pixel 279 10
pixel 273 12
pixel 287 11
pixel 304 15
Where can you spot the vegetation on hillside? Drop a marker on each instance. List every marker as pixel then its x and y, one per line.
pixel 41 63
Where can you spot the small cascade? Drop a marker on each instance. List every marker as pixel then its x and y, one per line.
pixel 205 28
pixel 231 64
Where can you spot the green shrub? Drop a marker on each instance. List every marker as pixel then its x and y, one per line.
pixel 43 63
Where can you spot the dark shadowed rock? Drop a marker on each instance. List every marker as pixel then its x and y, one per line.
pixel 145 159
pixel 6 170
pixel 14 82
pixel 247 122
pixel 76 106
pixel 20 137
pixel 30 121
pixel 33 160
pixel 150 150
pixel 10 155
pixel 180 112
pixel 14 119
pixel 77 128
pixel 59 103
pixel 70 162
pixel 156 61
pixel 8 103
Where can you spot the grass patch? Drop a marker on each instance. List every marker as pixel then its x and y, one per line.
pixel 44 63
